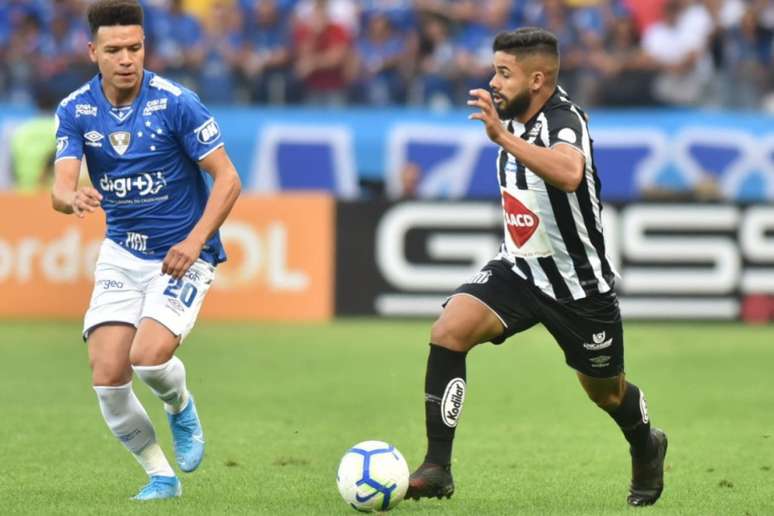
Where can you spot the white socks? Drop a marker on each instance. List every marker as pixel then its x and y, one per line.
pixel 129 422
pixel 167 381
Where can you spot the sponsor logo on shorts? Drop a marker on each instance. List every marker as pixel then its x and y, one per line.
pixel 175 305
pixel 520 220
pixel 600 361
pixel 452 401
pixel 599 342
pixel 111 284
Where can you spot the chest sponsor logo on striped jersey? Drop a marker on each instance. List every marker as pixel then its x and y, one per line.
pixel 520 220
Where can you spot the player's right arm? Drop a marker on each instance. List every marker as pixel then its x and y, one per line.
pixel 65 194
pixel 66 197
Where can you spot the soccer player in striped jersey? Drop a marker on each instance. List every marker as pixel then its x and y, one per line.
pixel 552 268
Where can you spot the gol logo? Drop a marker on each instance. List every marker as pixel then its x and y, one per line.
pixel 520 220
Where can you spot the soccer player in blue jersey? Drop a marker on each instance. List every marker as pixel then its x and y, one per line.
pixel 146 141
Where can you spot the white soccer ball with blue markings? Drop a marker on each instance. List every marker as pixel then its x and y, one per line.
pixel 372 476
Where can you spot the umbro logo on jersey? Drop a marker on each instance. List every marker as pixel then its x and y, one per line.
pixel 520 220
pixel 600 361
pixel 93 139
pixel 120 141
pixel 599 342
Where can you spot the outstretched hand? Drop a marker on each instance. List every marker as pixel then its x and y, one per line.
pixel 482 99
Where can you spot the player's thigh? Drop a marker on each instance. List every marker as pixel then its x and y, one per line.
pixel 490 306
pixel 590 333
pixel 118 294
pixel 109 346
pixel 169 313
pixel 465 322
pixel 153 344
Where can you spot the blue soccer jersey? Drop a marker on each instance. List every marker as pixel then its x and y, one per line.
pixel 143 160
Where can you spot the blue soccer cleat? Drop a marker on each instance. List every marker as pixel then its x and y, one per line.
pixel 159 488
pixel 188 437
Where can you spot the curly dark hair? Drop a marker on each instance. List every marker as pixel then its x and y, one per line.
pixel 114 12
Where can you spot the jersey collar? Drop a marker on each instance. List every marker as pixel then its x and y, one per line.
pixel 122 113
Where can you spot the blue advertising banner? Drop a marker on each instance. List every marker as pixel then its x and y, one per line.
pixel 639 153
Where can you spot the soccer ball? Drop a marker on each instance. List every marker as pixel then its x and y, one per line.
pixel 372 476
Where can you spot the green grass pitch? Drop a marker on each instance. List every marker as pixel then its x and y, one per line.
pixel 281 403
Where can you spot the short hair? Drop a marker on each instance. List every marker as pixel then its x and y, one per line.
pixel 527 41
pixel 105 13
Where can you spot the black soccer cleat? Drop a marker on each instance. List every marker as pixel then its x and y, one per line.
pixel 430 481
pixel 648 475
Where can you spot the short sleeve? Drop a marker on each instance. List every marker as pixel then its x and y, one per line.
pixel 197 129
pixel 69 141
pixel 565 126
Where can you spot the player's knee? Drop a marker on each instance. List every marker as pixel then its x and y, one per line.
pixel 606 400
pixel 107 374
pixel 148 355
pixel 449 336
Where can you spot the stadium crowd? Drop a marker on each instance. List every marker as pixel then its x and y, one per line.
pixel 715 53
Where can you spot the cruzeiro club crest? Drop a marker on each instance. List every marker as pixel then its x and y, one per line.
pixel 120 141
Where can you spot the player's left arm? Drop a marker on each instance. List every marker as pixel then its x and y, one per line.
pixel 562 165
pixel 226 187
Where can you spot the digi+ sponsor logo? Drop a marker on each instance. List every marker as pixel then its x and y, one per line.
pixel 147 183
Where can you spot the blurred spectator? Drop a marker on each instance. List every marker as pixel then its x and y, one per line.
pixel 221 46
pixel 381 54
pixel 265 56
pixel 323 51
pixel 474 55
pixel 65 63
pixel 626 73
pixel 678 46
pixel 25 48
pixel 414 51
pixel 340 12
pixel 33 146
pixel 436 63
pixel 175 41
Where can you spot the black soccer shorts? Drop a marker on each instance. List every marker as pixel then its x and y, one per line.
pixel 588 330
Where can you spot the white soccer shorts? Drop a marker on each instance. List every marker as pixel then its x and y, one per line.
pixel 128 289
